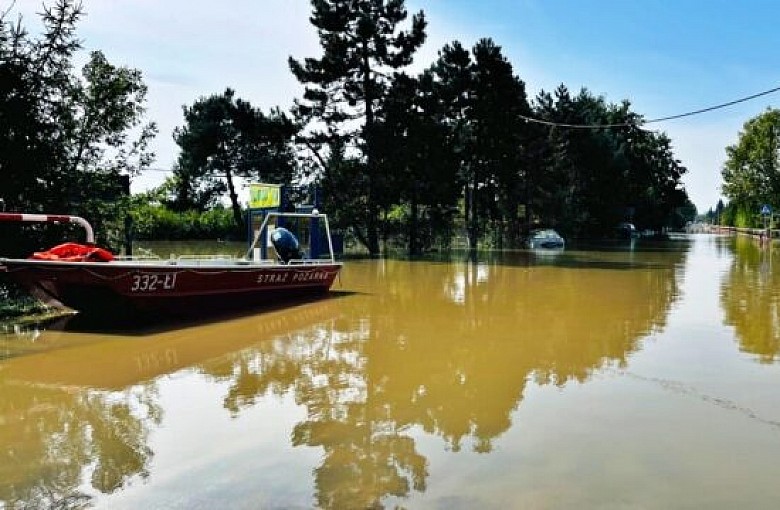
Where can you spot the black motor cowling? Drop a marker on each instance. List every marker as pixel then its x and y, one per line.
pixel 286 245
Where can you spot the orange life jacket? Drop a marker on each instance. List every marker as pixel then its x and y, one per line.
pixel 74 252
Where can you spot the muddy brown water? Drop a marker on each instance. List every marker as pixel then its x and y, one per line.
pixel 643 376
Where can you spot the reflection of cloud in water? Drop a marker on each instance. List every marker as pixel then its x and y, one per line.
pixel 688 390
pixel 465 275
pixel 446 349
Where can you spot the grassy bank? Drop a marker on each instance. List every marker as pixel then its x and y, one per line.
pixel 15 302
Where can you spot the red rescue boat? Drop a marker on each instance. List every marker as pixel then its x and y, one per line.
pixel 92 281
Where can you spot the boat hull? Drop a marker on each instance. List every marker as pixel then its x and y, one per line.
pixel 122 289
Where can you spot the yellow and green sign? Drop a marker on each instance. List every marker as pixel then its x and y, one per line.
pixel 264 195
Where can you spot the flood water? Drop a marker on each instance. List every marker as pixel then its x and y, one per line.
pixel 601 378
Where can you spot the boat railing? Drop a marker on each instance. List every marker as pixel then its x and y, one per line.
pixel 210 257
pixel 50 218
pixel 312 215
pixel 308 262
pixel 130 258
pixel 196 260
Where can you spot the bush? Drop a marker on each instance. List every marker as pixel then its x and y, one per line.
pixel 156 222
pixel 14 302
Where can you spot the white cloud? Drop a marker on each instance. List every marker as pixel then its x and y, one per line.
pixel 701 149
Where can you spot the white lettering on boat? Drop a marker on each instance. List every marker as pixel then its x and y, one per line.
pixel 297 277
pixel 153 282
pixel 272 278
pixel 310 276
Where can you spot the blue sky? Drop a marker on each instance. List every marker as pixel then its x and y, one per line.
pixel 665 56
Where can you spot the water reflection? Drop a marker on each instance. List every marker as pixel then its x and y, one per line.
pixel 78 406
pixel 422 347
pixel 447 349
pixel 750 297
pixel 52 438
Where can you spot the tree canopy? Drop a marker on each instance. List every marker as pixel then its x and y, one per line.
pixel 224 138
pixel 362 42
pixel 451 152
pixel 751 173
pixel 66 137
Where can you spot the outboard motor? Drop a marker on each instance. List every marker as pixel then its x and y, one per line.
pixel 286 245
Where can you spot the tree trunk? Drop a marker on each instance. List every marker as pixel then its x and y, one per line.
pixel 371 209
pixel 237 216
pixel 467 208
pixel 413 250
pixel 474 227
pixel 359 234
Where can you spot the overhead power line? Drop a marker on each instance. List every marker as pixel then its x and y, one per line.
pixel 575 126
pixel 651 121
pixel 615 125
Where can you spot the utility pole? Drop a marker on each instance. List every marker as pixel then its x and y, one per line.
pixel 772 175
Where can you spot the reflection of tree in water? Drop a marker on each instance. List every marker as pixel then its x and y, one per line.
pixel 472 356
pixel 750 297
pixel 366 456
pixel 447 349
pixel 52 436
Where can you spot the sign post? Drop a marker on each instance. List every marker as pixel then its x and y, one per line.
pixel 262 199
pixel 264 196
pixel 766 213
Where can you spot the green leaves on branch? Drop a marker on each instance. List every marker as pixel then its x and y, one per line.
pixel 751 173
pixel 398 154
pixel 64 137
pixel 363 43
pixel 226 138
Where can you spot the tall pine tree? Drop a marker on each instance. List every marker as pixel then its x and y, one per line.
pixel 227 138
pixel 362 44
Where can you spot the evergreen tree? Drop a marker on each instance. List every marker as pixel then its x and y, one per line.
pixel 414 156
pixel 485 103
pixel 226 138
pixel 594 178
pixel 362 43
pixel 500 140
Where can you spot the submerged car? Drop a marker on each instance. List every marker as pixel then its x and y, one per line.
pixel 546 238
pixel 627 231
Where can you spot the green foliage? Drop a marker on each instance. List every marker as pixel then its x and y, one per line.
pixel 416 162
pixel 414 157
pixel 751 173
pixel 583 169
pixel 735 214
pixel 727 216
pixel 66 138
pixel 362 44
pixel 156 222
pixel 431 229
pixel 744 218
pixel 14 302
pixel 485 104
pixel 455 141
pixel 685 214
pixel 226 137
